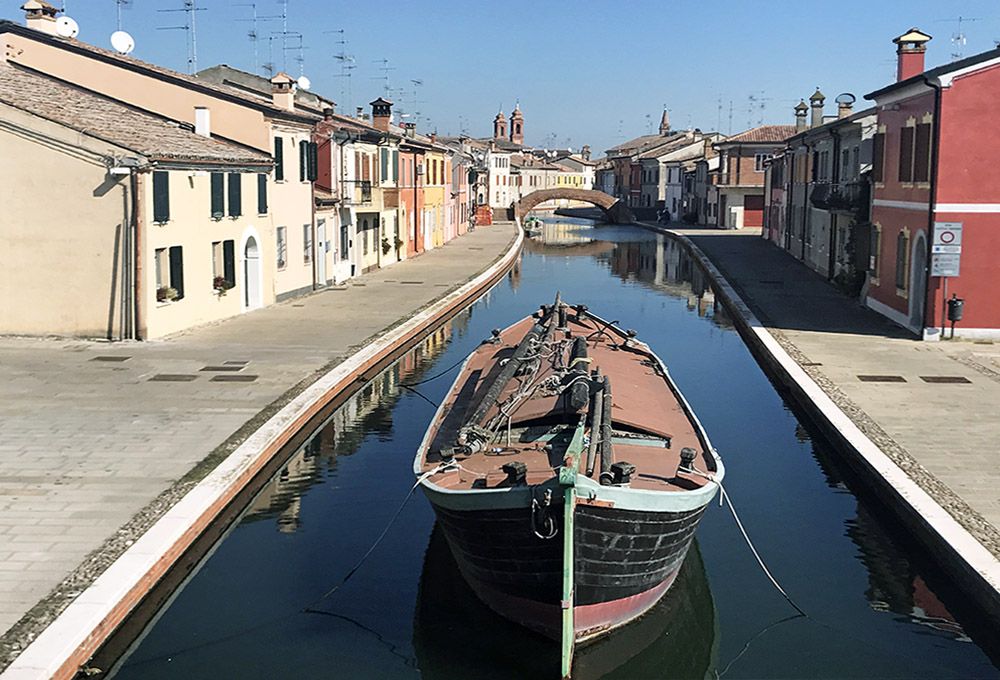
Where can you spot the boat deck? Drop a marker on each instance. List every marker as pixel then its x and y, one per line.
pixel 531 419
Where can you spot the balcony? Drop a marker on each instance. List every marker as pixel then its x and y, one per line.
pixel 845 197
pixel 361 192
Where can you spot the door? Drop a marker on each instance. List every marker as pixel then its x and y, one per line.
pixel 753 210
pixel 321 249
pixel 251 274
pixel 918 282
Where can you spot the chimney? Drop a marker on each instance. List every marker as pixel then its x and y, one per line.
pixel 328 113
pixel 816 103
pixel 202 121
pixel 411 129
pixel 434 137
pixel 283 91
pixel 359 112
pixel 585 152
pixel 845 105
pixel 40 15
pixel 800 115
pixel 910 48
pixel 381 113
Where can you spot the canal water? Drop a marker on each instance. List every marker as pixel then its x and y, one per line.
pixel 875 608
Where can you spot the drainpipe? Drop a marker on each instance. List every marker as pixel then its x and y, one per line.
pixel 789 203
pixel 139 313
pixel 805 200
pixel 935 145
pixel 831 261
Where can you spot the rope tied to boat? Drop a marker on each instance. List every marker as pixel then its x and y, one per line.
pixel 724 496
pixel 549 529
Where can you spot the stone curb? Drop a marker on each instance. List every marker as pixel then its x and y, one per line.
pixel 72 638
pixel 975 568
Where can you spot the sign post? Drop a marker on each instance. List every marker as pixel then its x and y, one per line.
pixel 946 256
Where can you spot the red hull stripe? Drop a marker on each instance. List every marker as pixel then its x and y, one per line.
pixel 590 620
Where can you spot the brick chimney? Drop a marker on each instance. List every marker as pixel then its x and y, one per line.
pixel 381 113
pixel 40 15
pixel 283 91
pixel 910 49
pixel 800 115
pixel 585 152
pixel 845 105
pixel 816 104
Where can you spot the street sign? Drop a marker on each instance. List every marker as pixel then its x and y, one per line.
pixel 946 249
pixel 945 264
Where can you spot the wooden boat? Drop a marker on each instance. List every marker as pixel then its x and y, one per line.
pixel 568 474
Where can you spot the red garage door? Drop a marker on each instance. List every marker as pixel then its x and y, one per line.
pixel 753 211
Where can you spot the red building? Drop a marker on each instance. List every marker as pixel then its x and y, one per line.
pixel 411 191
pixel 934 163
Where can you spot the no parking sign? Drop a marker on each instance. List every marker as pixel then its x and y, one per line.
pixel 946 250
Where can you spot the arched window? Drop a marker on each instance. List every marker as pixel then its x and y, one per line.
pixel 902 259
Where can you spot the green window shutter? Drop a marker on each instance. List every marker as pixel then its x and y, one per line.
pixel 218 208
pixel 279 159
pixel 229 261
pixel 235 194
pixel 385 165
pixel 395 166
pixel 313 161
pixel 261 194
pixel 177 270
pixel 161 197
pixel 303 170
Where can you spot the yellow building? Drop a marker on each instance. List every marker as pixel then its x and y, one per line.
pixel 121 224
pixel 435 171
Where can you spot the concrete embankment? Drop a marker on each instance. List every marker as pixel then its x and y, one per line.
pixel 143 443
pixel 916 421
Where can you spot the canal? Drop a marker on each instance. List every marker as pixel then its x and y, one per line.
pixel 875 607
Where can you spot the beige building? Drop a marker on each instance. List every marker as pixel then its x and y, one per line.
pixel 119 223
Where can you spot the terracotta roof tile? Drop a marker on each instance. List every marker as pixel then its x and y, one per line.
pixel 762 134
pixel 114 122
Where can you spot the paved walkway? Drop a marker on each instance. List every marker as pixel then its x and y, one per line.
pixel 951 430
pixel 91 441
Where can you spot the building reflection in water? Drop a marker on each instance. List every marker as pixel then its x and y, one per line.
pixel 369 412
pixel 455 635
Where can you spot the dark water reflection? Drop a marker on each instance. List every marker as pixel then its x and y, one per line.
pixel 876 609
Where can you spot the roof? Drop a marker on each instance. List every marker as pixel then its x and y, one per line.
pixel 252 85
pixel 134 64
pixel 114 122
pixel 939 71
pixel 643 143
pixel 763 134
pixel 663 150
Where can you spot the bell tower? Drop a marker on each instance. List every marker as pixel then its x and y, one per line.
pixel 517 126
pixel 500 126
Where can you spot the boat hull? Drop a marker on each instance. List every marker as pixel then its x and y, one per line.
pixel 624 563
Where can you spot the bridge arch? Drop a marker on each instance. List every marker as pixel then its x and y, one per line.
pixel 616 211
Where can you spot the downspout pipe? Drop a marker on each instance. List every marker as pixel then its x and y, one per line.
pixel 139 313
pixel 935 84
pixel 834 181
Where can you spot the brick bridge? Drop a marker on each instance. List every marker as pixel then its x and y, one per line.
pixel 616 211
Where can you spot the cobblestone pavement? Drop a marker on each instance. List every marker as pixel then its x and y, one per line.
pixel 90 443
pixel 944 434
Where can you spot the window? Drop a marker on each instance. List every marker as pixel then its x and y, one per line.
pixel 161 197
pixel 902 259
pixel 307 243
pixel 303 161
pixel 758 161
pixel 878 157
pixel 845 165
pixel 279 159
pixel 876 256
pixel 261 194
pixel 344 242
pixel 218 209
pixel 364 237
pixel 223 263
pixel 906 154
pixel 282 248
pixel 922 153
pixel 312 162
pixel 395 165
pixel 235 194
pixel 385 164
pixel 176 270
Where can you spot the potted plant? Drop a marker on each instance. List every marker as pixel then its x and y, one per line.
pixel 221 285
pixel 166 294
pixel 386 246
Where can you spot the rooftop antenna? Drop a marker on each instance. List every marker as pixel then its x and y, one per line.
pixel 120 5
pixel 417 84
pixel 190 10
pixel 730 117
pixel 347 64
pixel 649 124
pixel 958 38
pixel 384 68
pixel 760 103
pixel 253 34
pixel 718 104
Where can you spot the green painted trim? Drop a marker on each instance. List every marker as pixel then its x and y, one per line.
pixel 568 626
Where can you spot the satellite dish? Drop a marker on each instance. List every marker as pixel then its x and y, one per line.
pixel 122 42
pixel 845 99
pixel 66 27
pixel 304 82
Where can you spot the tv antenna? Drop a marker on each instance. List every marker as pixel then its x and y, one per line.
pixel 958 38
pixel 384 68
pixel 119 6
pixel 347 64
pixel 253 34
pixel 190 10
pixel 759 103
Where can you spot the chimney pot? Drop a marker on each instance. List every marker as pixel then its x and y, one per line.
pixel 910 49
pixel 800 115
pixel 40 16
pixel 202 121
pixel 816 103
pixel 381 113
pixel 328 113
pixel 283 91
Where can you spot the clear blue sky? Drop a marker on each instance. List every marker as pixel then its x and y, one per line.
pixel 585 72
